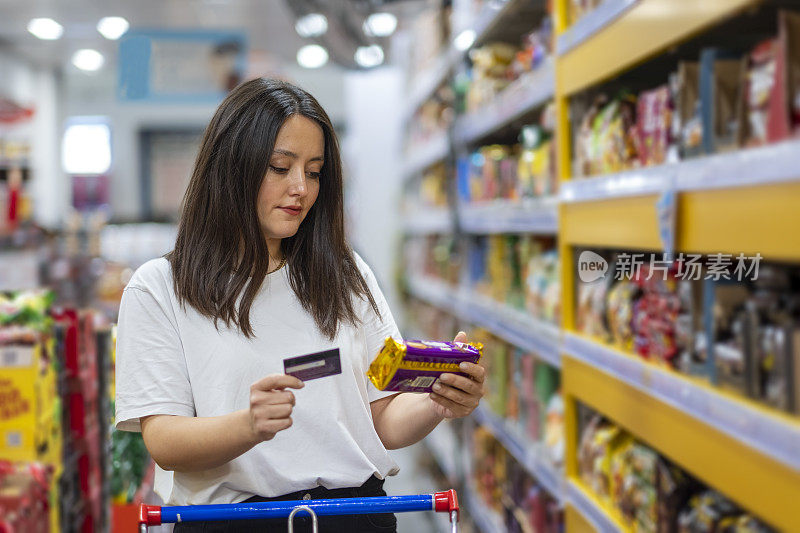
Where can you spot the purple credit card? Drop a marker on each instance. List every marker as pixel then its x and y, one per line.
pixel 314 365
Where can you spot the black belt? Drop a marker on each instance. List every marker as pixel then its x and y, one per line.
pixel 371 487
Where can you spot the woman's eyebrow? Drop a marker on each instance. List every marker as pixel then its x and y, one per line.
pixel 294 155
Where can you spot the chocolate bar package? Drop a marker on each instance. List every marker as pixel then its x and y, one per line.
pixel 414 366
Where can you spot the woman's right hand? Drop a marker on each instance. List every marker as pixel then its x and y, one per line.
pixel 271 405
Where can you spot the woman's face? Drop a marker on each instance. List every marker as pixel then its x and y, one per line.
pixel 292 182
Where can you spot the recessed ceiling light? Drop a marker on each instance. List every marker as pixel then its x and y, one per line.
pixel 88 59
pixel 45 28
pixel 312 56
pixel 369 56
pixel 464 40
pixel 380 25
pixel 311 25
pixel 112 27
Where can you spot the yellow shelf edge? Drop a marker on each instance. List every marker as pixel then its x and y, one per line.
pixel 750 220
pixel 643 31
pixel 593 512
pixel 755 481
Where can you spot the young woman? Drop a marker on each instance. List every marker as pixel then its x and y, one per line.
pixel 261 271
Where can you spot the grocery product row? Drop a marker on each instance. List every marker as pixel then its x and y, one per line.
pixel 508 456
pixel 63 468
pixel 714 96
pixel 732 322
pixel 644 491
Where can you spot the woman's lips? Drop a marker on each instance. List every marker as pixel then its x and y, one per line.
pixel 294 211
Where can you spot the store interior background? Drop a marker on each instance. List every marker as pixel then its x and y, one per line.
pixel 577 432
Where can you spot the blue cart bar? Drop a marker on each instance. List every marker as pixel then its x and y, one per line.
pixel 447 501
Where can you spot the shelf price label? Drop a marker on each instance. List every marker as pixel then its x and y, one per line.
pixel 666 209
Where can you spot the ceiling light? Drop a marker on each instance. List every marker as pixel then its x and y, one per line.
pixel 112 27
pixel 311 25
pixel 380 25
pixel 88 59
pixel 312 56
pixel 369 56
pixel 46 28
pixel 464 40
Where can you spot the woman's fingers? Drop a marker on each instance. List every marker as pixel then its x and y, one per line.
pixel 277 381
pixel 456 395
pixel 456 409
pixel 460 382
pixel 277 397
pixel 461 337
pixel 473 370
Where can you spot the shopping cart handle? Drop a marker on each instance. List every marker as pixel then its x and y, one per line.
pixel 446 501
pixel 150 515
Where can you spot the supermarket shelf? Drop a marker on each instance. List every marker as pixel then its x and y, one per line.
pixel 592 23
pixel 487 520
pixel 492 14
pixel 739 202
pixel 618 36
pixel 533 215
pixel 528 456
pixel 436 149
pixel 587 505
pixel 530 91
pixel 511 325
pixel 428 222
pixel 766 165
pixel 425 83
pixel 770 435
pixel 748 453
pixel 14 162
pixel 441 443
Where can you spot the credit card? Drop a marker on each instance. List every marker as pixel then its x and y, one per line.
pixel 314 365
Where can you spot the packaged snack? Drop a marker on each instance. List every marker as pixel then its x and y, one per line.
pixel 655 314
pixel 758 93
pixel 654 125
pixel 414 366
pixel 554 430
pixel 530 404
pixel 497 396
pixel 621 299
pixel 599 442
pixel 674 488
pixel 687 106
pixel 732 331
pixel 585 151
pixel 789 36
pixel 689 333
pixel 591 316
pixel 708 511
pixel 720 81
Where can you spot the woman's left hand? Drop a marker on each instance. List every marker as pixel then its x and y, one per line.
pixel 457 396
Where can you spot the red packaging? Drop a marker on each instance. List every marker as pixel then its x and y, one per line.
pixel 654 122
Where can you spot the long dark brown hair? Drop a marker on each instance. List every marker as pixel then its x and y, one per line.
pixel 220 258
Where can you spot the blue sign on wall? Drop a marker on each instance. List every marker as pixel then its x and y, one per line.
pixel 180 66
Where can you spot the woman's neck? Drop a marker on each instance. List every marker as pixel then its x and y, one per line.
pixel 275 253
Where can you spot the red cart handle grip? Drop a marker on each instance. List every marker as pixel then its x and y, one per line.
pixel 445 502
pixel 150 515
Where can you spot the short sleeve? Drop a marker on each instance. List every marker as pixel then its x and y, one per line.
pixel 377 328
pixel 151 373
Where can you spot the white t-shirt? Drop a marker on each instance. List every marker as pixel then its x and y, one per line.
pixel 175 362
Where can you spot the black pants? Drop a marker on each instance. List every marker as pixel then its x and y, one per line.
pixel 366 523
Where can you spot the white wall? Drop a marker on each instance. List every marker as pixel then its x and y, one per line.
pixel 91 95
pixel 372 149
